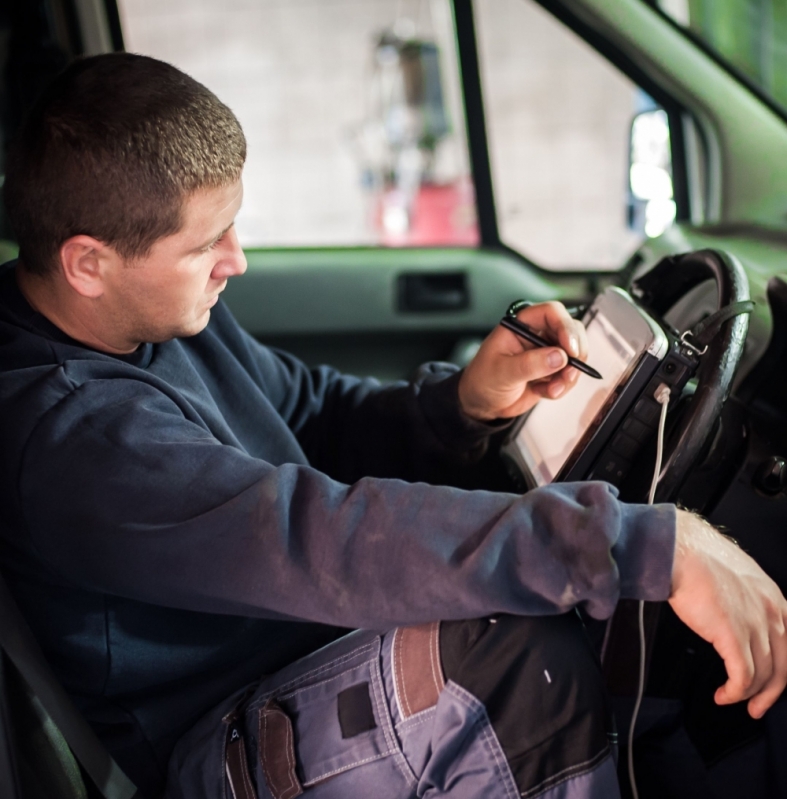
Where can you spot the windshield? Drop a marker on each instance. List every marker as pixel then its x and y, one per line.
pixel 749 35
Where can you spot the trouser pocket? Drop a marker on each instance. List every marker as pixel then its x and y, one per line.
pixel 330 719
pixel 210 761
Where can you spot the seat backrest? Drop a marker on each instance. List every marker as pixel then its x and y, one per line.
pixel 50 718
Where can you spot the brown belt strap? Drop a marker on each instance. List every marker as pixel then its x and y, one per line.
pixel 277 752
pixel 418 673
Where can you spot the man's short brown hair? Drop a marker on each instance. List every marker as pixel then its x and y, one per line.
pixel 111 149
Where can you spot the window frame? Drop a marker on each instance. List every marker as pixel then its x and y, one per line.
pixel 717 58
pixel 115 28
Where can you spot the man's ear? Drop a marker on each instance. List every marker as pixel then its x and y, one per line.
pixel 83 261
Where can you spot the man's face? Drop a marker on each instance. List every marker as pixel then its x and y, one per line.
pixel 169 293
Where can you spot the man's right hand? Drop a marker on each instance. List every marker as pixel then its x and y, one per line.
pixel 508 376
pixel 727 599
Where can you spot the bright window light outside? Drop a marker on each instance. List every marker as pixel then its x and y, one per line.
pixel 650 172
pixel 649 182
pixel 659 215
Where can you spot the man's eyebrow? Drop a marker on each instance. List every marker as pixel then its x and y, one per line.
pixel 215 238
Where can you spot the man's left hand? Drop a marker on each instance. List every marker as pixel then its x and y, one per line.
pixel 508 376
pixel 726 598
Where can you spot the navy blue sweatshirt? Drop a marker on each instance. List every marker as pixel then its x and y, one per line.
pixel 179 521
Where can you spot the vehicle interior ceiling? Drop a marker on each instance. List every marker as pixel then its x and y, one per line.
pixel 390 295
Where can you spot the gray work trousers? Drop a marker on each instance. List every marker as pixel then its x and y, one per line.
pixel 501 708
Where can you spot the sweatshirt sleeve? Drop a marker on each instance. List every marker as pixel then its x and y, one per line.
pixel 412 431
pixel 124 495
pixel 351 427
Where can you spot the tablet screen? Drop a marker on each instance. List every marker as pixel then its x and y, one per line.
pixel 555 427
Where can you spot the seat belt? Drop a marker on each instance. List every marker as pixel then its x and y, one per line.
pixel 17 641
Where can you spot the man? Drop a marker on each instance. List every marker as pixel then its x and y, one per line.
pixel 191 516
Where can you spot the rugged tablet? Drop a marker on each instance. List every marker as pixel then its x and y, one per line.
pixel 596 430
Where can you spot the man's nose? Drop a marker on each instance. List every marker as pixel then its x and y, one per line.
pixel 232 260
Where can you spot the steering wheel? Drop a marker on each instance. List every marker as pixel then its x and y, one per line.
pixel 658 290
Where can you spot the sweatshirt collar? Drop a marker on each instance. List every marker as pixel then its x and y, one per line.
pixel 14 301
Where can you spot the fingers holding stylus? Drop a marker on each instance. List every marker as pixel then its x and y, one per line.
pixel 508 375
pixel 552 322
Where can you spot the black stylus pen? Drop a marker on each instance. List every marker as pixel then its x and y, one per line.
pixel 523 331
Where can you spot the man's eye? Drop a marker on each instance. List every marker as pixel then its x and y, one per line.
pixel 212 245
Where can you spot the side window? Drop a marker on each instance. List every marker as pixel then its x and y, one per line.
pixel 352 112
pixel 578 181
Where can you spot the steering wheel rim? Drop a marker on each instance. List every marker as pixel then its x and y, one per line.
pixel 658 290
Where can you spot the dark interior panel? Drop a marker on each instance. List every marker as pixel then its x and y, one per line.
pixel 386 356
